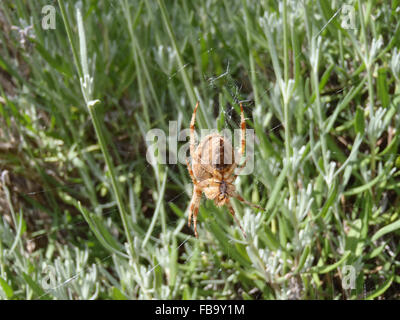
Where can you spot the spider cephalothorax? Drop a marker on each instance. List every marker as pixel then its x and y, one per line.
pixel 212 170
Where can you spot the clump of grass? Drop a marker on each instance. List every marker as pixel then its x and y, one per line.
pixel 84 215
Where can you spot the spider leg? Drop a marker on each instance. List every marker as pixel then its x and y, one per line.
pixel 192 141
pixel 231 170
pixel 195 213
pixel 239 169
pixel 239 197
pixel 194 208
pixel 243 144
pixel 243 165
pixel 191 171
pixel 207 182
pixel 232 211
pixel 217 174
pixel 243 131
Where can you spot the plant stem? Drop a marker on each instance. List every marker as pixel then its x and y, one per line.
pixel 188 84
pixel 111 172
pixel 286 101
pixel 285 43
pixel 369 68
pixel 69 34
pixel 96 123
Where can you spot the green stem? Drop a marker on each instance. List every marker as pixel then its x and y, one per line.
pixel 368 66
pixel 186 81
pixel 111 171
pixel 286 101
pixel 251 57
pixel 182 70
pixel 69 34
pixel 86 90
pixel 320 119
pixel 371 108
pixel 285 43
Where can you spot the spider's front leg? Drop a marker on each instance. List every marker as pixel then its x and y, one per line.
pixel 196 197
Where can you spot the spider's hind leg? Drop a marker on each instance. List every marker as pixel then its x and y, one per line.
pixel 194 209
pixel 189 167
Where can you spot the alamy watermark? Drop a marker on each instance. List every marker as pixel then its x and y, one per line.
pixel 348 277
pixel 49 280
pixel 212 152
pixel 49 19
pixel 348 16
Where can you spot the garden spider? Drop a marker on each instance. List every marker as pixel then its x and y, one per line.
pixel 212 170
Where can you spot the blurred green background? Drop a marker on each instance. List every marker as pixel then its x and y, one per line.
pixel 84 215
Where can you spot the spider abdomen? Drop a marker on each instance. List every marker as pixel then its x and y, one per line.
pixel 215 152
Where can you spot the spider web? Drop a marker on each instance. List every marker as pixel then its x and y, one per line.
pixel 225 82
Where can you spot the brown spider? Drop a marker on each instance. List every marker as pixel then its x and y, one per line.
pixel 212 170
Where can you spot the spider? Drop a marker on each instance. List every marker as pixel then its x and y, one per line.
pixel 212 170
